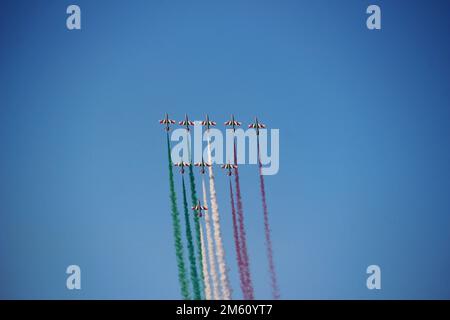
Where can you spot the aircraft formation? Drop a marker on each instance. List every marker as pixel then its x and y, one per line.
pixel 207 282
pixel 207 123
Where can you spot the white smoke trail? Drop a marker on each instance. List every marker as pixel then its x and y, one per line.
pixel 205 268
pixel 217 233
pixel 211 253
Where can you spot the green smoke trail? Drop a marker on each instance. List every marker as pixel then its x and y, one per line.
pixel 177 231
pixel 196 223
pixel 194 275
pixel 194 200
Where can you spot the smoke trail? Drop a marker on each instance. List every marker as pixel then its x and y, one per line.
pixel 194 275
pixel 196 218
pixel 211 254
pixel 177 231
pixel 196 224
pixel 241 264
pixel 243 236
pixel 226 291
pixel 273 276
pixel 205 269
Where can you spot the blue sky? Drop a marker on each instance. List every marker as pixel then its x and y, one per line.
pixel 364 142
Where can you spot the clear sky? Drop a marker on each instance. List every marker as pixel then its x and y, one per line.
pixel 364 120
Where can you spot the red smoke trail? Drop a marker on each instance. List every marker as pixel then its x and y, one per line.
pixel 241 264
pixel 273 276
pixel 243 236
